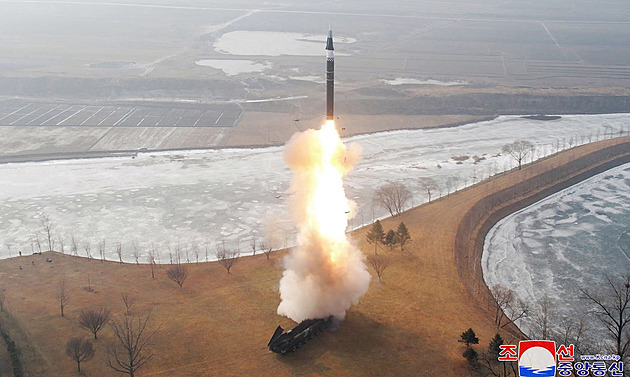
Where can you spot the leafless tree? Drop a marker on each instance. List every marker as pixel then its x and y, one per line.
pixel 451 184
pixel 136 251
pixel 88 250
pixel 543 318
pixel 507 305
pixel 227 258
pixel 74 249
pixel 38 243
pixel 379 263
pixel 393 197
pixel 8 245
pixel 93 319
pixel 186 253
pixel 119 252
pixel 79 350
pixel 130 350
pixel 571 331
pixel 63 294
pixel 503 297
pixel 428 185
pixel 2 298
pixel 62 245
pixel 206 247
pixel 128 300
pixel 266 249
pixel 178 273
pixel 102 247
pixel 612 308
pixel 252 243
pixel 195 250
pixel 49 226
pixel 518 150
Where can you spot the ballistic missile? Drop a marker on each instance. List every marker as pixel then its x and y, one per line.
pixel 330 77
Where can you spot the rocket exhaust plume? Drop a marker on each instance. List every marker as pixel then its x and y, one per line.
pixel 324 274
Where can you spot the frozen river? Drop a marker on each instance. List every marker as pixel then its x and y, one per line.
pixel 568 241
pixel 228 196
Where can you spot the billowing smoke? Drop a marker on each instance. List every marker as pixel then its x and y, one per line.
pixel 324 274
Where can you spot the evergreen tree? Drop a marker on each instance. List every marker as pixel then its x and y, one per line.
pixel 470 355
pixel 391 239
pixel 402 235
pixel 469 338
pixel 376 235
pixel 493 347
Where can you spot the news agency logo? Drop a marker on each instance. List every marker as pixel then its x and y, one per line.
pixel 537 358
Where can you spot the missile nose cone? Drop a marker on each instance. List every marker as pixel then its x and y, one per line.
pixel 329 41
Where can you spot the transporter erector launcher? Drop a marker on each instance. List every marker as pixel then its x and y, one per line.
pixel 330 77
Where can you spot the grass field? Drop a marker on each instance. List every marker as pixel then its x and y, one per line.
pixel 220 323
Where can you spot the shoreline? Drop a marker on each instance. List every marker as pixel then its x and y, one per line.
pixel 490 209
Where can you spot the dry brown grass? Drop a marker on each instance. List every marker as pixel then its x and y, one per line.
pixel 220 323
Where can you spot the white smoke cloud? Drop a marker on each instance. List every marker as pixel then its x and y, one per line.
pixel 324 274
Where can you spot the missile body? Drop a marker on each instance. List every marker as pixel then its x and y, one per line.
pixel 330 77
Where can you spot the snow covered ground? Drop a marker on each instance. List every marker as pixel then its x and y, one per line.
pixel 565 242
pixel 271 43
pixel 229 195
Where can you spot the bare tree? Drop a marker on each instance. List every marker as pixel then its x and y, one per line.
pixel 178 273
pixel 195 250
pixel 186 253
pixel 508 306
pixel 79 350
pixel 128 300
pixel 252 243
pixel 102 247
pixel 63 294
pixel 266 249
pixel 451 184
pixel 130 350
pixel 2 298
pixel 49 225
pixel 393 197
pixel 93 319
pixel 136 251
pixel 62 245
pixel 571 331
pixel 503 297
pixel 379 263
pixel 88 250
pixel 227 258
pixel 74 249
pixel 542 319
pixel 613 310
pixel 518 150
pixel 38 243
pixel 428 185
pixel 119 252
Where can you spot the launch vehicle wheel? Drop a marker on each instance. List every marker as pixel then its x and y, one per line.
pixel 293 349
pixel 300 345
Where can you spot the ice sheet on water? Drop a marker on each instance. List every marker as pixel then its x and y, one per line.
pixel 151 187
pixel 576 242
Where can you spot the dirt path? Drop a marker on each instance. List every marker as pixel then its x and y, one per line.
pixel 220 324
